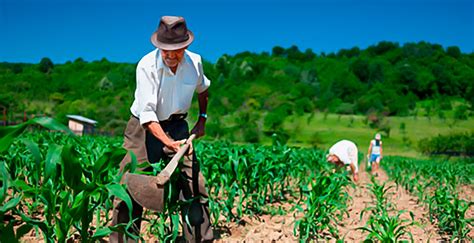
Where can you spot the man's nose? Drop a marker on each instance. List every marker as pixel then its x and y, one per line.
pixel 171 54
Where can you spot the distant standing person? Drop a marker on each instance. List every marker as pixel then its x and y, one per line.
pixel 343 153
pixel 375 153
pixel 167 79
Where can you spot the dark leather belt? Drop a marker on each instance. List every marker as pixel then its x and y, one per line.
pixel 174 117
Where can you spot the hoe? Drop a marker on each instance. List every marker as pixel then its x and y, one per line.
pixel 148 191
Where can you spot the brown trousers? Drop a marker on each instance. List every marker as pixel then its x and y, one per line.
pixel 147 148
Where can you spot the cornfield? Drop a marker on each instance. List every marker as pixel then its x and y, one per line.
pixel 61 186
pixel 437 184
pixel 57 187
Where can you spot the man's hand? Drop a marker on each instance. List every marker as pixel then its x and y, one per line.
pixel 356 177
pixel 175 145
pixel 157 131
pixel 355 173
pixel 199 128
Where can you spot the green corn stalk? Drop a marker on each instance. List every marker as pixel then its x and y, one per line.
pixel 325 206
pixel 380 202
pixel 380 225
pixel 384 228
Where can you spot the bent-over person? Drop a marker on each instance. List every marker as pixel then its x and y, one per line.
pixel 344 153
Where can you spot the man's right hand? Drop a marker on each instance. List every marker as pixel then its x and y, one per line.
pixel 175 145
pixel 157 131
pixel 356 177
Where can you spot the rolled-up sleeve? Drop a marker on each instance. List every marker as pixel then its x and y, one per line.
pixel 203 82
pixel 146 94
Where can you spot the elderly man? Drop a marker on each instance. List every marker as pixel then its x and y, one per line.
pixel 343 153
pixel 167 78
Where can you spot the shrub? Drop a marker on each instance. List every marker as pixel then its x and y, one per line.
pixel 451 144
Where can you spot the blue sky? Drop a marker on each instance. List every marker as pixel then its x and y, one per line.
pixel 120 30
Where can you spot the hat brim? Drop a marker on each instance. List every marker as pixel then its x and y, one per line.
pixel 168 46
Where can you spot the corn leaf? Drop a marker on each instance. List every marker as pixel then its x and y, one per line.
pixel 118 191
pixel 71 168
pixel 53 158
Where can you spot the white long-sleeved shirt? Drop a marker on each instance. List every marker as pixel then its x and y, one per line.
pixel 160 93
pixel 346 151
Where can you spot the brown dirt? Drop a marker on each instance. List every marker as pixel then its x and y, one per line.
pixel 466 192
pixel 265 228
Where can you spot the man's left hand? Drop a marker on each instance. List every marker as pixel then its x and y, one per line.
pixel 199 128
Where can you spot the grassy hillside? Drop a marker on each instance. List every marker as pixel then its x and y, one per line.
pixel 324 130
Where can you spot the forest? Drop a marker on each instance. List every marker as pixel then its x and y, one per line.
pixel 385 79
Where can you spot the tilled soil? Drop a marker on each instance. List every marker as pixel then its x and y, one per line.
pixel 401 199
pixel 266 228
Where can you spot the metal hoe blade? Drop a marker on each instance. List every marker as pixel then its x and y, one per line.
pixel 148 191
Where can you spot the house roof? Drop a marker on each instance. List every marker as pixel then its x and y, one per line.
pixel 82 119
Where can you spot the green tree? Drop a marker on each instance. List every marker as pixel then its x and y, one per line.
pixel 453 51
pixel 360 67
pixel 382 47
pixel 278 51
pixel 46 65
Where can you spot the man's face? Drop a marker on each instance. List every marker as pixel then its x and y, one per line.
pixel 172 58
pixel 334 159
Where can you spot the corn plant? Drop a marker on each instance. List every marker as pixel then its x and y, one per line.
pixel 381 226
pixel 325 202
pixel 380 202
pixel 450 213
pixel 385 228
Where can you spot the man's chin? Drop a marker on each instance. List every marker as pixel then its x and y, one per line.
pixel 171 64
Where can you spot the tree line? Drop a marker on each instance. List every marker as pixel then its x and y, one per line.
pixel 259 89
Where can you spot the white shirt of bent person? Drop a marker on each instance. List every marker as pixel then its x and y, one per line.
pixel 347 152
pixel 160 93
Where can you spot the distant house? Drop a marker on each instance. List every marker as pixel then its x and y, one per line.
pixel 81 125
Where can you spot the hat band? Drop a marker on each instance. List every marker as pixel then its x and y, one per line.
pixel 174 40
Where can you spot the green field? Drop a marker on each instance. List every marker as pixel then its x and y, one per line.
pixel 323 132
pixel 58 187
